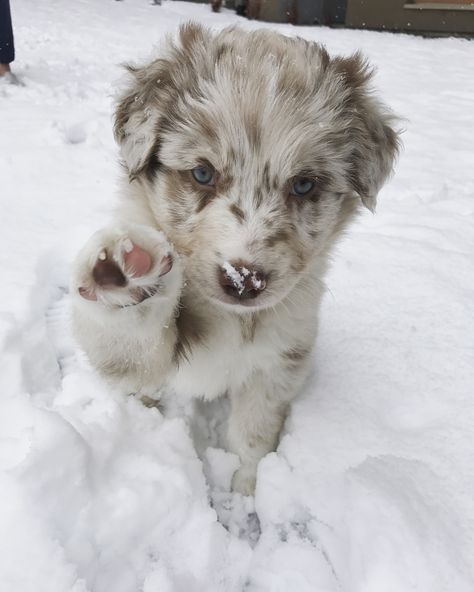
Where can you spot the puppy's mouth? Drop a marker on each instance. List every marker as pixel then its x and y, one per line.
pixel 247 303
pixel 243 305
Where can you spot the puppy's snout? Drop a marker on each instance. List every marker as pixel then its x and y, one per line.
pixel 242 281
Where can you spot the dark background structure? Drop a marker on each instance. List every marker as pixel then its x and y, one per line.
pixel 436 18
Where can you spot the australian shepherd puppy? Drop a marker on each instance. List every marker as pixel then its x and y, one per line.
pixel 246 156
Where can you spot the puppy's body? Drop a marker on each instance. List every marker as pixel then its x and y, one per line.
pixel 251 152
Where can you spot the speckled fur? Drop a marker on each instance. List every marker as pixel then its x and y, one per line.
pixel 261 108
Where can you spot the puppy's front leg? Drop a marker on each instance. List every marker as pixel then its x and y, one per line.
pixel 258 411
pixel 125 289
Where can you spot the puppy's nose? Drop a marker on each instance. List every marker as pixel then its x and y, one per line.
pixel 241 280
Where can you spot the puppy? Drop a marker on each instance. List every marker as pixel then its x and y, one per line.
pixel 247 154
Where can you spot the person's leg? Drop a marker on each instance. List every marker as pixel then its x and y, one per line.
pixel 7 48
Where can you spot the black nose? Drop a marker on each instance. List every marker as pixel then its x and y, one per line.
pixel 242 281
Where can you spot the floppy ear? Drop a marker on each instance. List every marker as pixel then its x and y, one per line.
pixel 151 97
pixel 375 142
pixel 138 114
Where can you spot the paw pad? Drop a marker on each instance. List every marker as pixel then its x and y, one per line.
pixel 121 273
pixel 137 260
pixel 107 273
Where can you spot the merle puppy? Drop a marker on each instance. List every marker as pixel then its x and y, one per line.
pixel 247 154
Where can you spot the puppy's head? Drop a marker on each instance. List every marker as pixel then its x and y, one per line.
pixel 254 150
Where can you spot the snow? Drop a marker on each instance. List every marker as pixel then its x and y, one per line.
pixel 371 488
pixel 242 277
pixel 235 276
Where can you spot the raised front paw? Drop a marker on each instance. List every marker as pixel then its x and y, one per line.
pixel 124 266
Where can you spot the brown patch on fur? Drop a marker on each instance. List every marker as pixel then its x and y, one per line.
pixel 179 185
pixel 144 92
pixel 248 326
pixel 122 115
pixel 258 197
pixel 222 51
pixel 280 236
pixel 151 84
pixel 177 214
pixel 238 212
pixel 206 127
pixel 224 181
pixel 354 70
pixel 325 59
pixel 291 83
pixel 152 164
pixel 204 199
pixel 253 129
pixel 379 144
pixel 180 352
pixel 189 34
pixel 376 144
pixel 354 177
pixel 179 205
pixel 191 330
pixel 266 177
pixel 296 354
pixel 323 181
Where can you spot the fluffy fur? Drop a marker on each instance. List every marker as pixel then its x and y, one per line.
pixel 259 110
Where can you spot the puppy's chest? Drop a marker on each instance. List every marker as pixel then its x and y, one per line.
pixel 231 347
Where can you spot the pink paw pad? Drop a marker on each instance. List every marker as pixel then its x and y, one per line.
pixel 87 293
pixel 137 260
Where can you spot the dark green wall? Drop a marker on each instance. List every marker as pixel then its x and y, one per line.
pixel 394 15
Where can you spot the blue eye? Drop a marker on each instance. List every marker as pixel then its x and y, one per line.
pixel 301 186
pixel 204 175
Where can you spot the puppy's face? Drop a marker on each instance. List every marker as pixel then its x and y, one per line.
pixel 254 151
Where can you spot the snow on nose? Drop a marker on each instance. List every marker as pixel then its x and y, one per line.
pixel 241 280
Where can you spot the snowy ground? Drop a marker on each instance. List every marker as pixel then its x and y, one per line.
pixel 372 486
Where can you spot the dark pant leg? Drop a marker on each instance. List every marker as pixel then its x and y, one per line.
pixel 7 49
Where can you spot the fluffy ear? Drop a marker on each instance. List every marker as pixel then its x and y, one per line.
pixel 138 114
pixel 151 96
pixel 375 142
